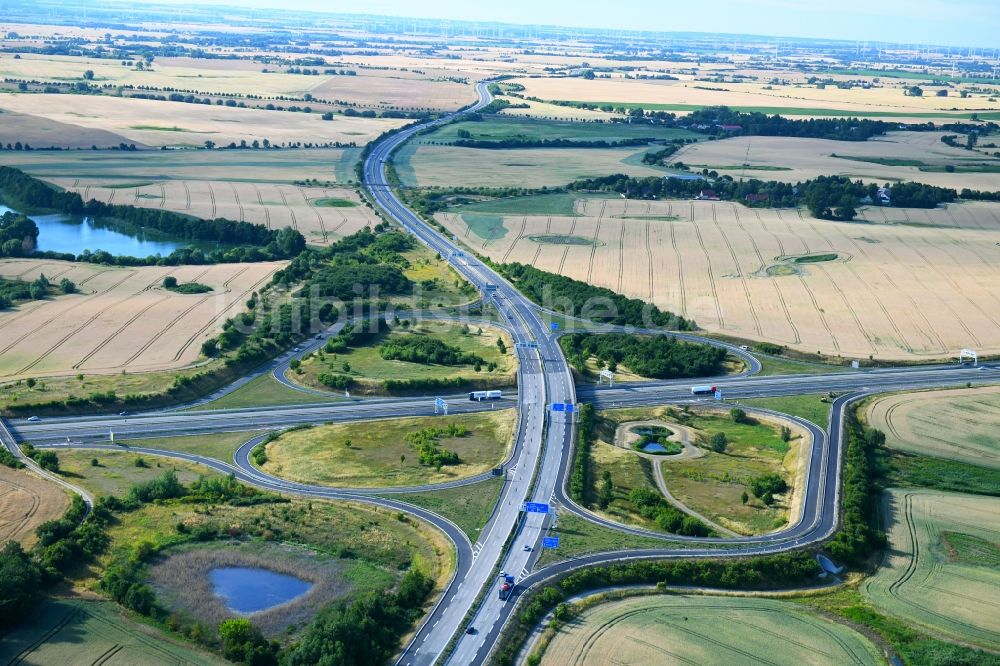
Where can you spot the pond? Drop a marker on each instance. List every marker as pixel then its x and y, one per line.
pixel 251 589
pixel 62 233
pixel 654 447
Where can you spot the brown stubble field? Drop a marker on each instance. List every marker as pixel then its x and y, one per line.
pixel 273 205
pixel 895 291
pixel 27 501
pixel 122 319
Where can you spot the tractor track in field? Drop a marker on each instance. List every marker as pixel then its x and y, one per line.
pixel 76 330
pixel 739 272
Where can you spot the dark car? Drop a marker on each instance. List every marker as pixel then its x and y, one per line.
pixel 470 629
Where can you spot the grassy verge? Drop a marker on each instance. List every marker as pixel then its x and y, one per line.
pixel 908 470
pixel 380 454
pixel 469 506
pixel 220 446
pixel 368 370
pixel 811 407
pixel 578 537
pixel 117 471
pixel 262 391
pixel 776 365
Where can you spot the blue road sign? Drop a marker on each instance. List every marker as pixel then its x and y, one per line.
pixel 536 507
pixel 555 326
pixel 550 542
pixel 570 407
pixel 718 395
pixel 558 407
pixel 440 402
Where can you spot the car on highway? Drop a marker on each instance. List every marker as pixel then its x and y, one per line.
pixel 527 548
pixel 470 629
pixel 122 413
pixel 33 419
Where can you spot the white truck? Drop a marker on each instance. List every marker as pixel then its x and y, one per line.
pixel 703 390
pixel 480 396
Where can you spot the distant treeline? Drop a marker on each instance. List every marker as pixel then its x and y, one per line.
pixel 827 197
pixel 254 242
pixel 504 144
pixel 656 356
pixel 721 120
pixel 596 303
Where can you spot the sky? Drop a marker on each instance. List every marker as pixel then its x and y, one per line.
pixel 962 23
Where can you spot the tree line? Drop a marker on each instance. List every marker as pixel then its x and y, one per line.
pixel 520 142
pixel 826 197
pixel 656 356
pixel 579 298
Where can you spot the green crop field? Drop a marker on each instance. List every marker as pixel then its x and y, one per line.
pixel 369 370
pixel 468 506
pixel 265 390
pixel 959 424
pixel 278 166
pixel 220 446
pixel 809 407
pixel 71 632
pixel 686 629
pixel 940 571
pixel 379 455
pixel 422 165
pixel 501 128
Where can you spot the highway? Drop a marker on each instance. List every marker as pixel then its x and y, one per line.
pixel 539 465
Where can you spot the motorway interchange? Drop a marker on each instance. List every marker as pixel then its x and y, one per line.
pixel 539 464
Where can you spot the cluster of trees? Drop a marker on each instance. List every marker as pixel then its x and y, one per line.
pixel 660 356
pixel 12 291
pixel 579 298
pixel 766 486
pixel 426 350
pixel 653 506
pixel 366 630
pixel 18 235
pixel 254 242
pixel 426 443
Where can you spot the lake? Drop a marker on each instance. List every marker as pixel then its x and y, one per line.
pixel 251 589
pixel 61 233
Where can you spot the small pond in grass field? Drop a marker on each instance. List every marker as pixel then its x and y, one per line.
pixel 654 447
pixel 252 589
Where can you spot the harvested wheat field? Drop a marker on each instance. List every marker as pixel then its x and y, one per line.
pixel 801 100
pixel 122 319
pixel 681 629
pixel 154 123
pixel 890 291
pixel 942 567
pixel 895 157
pixel 959 424
pixel 27 501
pixel 321 214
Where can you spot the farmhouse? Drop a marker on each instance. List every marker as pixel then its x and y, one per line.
pixel 884 198
pixel 708 195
